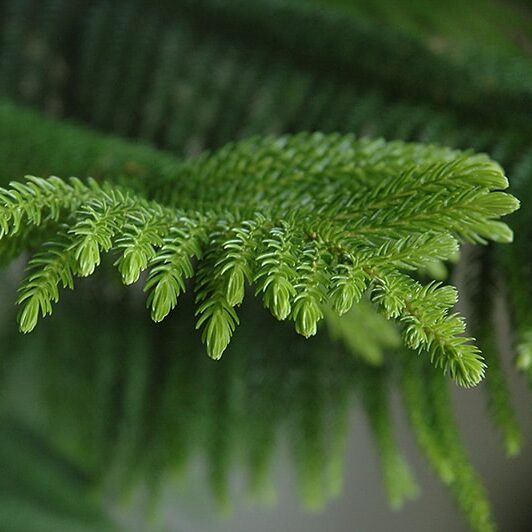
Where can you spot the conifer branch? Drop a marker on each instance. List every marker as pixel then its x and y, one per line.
pixel 323 220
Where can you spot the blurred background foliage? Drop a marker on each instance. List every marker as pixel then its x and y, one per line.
pixel 100 405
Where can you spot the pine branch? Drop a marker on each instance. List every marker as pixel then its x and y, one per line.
pixel 237 263
pixel 276 272
pixel 281 233
pixel 424 313
pixel 50 268
pixel 37 201
pixel 173 264
pixel 215 313
pixel 142 235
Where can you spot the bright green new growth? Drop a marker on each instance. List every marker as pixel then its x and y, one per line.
pixel 311 221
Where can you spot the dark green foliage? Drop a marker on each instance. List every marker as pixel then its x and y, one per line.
pixel 397 476
pixel 483 291
pixel 105 85
pixel 41 490
pixel 187 57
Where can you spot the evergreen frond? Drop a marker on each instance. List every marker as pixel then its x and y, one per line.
pixel 48 269
pixel 142 234
pixel 276 271
pixel 97 222
pixel 172 264
pixel 237 265
pixel 311 288
pixel 36 200
pixel 324 219
pixel 216 315
pixel 424 312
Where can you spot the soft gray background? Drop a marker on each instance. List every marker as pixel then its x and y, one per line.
pixel 362 507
